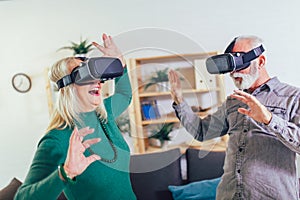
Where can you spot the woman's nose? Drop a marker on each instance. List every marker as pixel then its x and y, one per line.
pixel 100 83
pixel 96 82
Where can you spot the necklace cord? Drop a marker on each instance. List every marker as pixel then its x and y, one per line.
pixel 110 143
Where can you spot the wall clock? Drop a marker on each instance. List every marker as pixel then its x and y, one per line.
pixel 21 82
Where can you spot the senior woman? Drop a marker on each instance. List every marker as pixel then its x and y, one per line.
pixel 83 153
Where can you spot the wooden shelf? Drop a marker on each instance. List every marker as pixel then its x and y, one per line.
pixel 209 145
pixel 177 57
pixel 160 121
pixel 155 94
pixel 166 119
pixel 196 84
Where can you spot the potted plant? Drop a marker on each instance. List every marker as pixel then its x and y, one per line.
pixel 161 133
pixel 123 123
pixel 79 49
pixel 159 77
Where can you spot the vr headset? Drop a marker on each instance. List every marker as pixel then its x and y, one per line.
pixel 92 69
pixel 232 61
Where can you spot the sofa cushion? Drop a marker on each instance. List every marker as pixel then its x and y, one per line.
pixel 152 173
pixel 10 190
pixel 204 165
pixel 205 189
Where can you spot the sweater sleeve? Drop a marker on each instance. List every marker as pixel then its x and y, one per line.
pixel 42 180
pixel 120 100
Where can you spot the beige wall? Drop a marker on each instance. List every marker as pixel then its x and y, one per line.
pixel 32 30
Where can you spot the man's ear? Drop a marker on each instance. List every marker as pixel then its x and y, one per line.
pixel 261 61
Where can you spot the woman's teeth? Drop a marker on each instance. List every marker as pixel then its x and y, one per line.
pixel 94 91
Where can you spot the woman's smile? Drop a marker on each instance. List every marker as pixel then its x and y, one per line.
pixel 95 91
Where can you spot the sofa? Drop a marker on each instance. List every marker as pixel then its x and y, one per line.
pixel 155 175
pixel 159 176
pixel 165 175
pixel 203 170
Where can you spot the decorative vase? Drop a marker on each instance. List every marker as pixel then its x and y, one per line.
pixel 154 142
pixel 165 145
pixel 82 56
pixel 163 86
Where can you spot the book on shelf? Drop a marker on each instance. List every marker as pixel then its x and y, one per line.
pixel 150 110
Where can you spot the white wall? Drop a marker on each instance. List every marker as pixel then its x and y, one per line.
pixel 32 30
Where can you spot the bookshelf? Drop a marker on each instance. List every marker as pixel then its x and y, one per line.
pixel 203 91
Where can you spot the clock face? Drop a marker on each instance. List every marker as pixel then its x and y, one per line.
pixel 21 82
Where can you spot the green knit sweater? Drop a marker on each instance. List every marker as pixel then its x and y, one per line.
pixel 101 180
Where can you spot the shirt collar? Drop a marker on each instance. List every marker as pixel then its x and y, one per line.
pixel 270 85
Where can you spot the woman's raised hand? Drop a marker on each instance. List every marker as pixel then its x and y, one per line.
pixel 76 162
pixel 109 48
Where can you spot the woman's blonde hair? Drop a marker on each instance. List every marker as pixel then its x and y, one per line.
pixel 67 108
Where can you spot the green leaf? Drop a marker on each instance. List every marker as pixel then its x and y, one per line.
pixel 157 77
pixel 79 48
pixel 148 85
pixel 161 132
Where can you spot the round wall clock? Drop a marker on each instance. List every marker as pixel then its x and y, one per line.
pixel 21 82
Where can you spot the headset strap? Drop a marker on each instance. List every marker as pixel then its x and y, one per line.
pixel 64 81
pixel 254 53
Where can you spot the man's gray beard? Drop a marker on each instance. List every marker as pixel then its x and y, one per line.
pixel 247 79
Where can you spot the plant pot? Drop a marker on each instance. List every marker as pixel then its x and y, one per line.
pixel 80 56
pixel 154 142
pixel 157 143
pixel 165 145
pixel 129 141
pixel 163 86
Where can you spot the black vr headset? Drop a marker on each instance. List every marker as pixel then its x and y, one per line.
pixel 92 69
pixel 232 61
